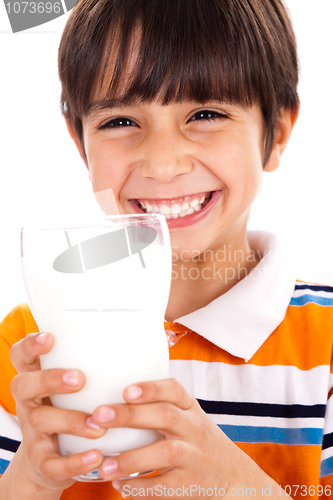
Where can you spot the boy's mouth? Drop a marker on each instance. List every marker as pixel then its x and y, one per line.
pixel 179 212
pixel 175 207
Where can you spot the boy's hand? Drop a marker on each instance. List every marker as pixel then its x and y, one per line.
pixel 194 454
pixel 38 463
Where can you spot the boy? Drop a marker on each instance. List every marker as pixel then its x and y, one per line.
pixel 170 104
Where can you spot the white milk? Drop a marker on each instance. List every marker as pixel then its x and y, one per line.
pixel 113 348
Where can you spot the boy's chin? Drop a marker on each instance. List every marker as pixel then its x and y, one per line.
pixel 183 249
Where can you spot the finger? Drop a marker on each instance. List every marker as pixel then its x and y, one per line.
pixel 162 390
pixel 50 420
pixel 165 455
pixel 43 383
pixel 25 354
pixel 166 418
pixel 64 468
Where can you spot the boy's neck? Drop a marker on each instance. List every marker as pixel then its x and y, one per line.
pixel 197 283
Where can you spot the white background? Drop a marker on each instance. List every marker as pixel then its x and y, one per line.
pixel 42 176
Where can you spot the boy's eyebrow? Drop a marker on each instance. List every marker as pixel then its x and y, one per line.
pixel 96 106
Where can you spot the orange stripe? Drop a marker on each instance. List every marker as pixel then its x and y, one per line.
pixel 89 491
pixel 303 339
pixel 287 465
pixel 327 483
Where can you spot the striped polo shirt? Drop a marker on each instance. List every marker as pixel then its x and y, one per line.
pixel 259 361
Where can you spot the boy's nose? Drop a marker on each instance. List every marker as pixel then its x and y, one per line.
pixel 163 160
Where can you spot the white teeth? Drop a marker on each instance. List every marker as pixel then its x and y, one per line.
pixel 164 209
pixel 189 211
pixel 176 210
pixel 194 203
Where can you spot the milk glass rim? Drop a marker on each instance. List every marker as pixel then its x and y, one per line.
pixel 102 222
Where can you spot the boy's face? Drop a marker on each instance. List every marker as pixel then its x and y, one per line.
pixel 152 153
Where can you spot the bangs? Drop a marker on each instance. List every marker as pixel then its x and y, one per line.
pixel 156 61
pixel 200 56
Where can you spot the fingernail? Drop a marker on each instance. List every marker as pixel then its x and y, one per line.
pixel 90 458
pixel 116 484
pixel 110 466
pixel 71 378
pixel 41 338
pixel 133 392
pixel 105 414
pixel 91 424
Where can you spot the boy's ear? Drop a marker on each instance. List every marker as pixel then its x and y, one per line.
pixel 77 141
pixel 286 122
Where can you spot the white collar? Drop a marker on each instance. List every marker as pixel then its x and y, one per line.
pixel 240 320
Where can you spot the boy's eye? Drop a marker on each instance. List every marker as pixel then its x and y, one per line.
pixel 207 114
pixel 119 122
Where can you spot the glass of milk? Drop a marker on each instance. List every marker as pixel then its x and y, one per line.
pixel 102 291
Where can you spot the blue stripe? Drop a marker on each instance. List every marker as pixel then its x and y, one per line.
pixel 326 467
pixel 3 465
pixel 252 434
pixel 306 299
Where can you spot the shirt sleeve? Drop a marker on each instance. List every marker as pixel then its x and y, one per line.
pixel 14 327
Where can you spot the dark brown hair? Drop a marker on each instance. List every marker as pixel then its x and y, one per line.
pixel 238 51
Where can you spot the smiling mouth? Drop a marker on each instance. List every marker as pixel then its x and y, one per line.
pixel 175 208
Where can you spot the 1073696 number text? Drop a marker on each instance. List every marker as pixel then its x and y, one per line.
pixel 305 490
pixel 33 7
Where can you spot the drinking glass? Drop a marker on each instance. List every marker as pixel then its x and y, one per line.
pixel 102 290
